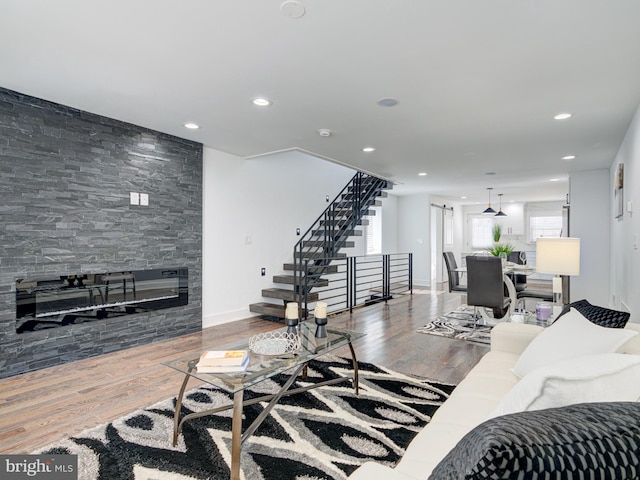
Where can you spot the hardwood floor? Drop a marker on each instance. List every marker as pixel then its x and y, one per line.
pixel 41 407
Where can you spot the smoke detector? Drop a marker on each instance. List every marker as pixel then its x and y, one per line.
pixel 324 132
pixel 292 9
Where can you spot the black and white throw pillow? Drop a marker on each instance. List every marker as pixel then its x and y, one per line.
pixel 605 317
pixel 587 440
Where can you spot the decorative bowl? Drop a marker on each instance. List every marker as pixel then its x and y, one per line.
pixel 274 343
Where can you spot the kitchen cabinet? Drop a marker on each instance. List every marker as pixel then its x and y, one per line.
pixel 513 223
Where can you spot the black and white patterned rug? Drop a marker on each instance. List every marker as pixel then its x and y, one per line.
pixel 322 434
pixel 459 324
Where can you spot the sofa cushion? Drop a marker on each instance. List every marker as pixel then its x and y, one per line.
pixel 605 317
pixel 589 440
pixel 570 336
pixel 606 377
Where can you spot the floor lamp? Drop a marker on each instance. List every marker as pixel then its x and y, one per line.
pixel 559 256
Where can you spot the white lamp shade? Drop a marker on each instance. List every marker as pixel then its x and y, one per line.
pixel 559 256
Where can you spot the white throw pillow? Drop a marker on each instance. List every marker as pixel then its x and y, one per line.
pixel 604 377
pixel 570 336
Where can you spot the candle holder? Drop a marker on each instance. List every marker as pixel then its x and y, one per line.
pixel 320 315
pixel 291 317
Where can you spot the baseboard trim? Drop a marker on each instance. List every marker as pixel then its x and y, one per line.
pixel 226 317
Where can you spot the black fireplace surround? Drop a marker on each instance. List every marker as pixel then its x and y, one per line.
pixel 77 298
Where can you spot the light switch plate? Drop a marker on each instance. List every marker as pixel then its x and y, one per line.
pixel 134 198
pixel 144 199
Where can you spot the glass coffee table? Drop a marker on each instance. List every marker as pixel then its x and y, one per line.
pixel 260 368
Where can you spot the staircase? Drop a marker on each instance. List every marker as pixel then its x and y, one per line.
pixel 321 243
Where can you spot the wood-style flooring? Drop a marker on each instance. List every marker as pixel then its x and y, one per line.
pixel 44 406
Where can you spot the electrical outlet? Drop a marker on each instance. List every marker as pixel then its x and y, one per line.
pixel 263 271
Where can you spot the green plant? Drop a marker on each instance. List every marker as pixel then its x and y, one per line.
pixel 497 232
pixel 499 248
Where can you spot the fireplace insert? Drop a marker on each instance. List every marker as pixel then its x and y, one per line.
pixel 75 298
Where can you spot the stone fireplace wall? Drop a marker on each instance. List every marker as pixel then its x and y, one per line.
pixel 65 182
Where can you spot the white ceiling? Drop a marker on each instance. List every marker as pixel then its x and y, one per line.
pixel 477 81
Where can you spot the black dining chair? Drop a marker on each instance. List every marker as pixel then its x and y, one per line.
pixel 519 280
pixel 454 276
pixel 546 296
pixel 485 287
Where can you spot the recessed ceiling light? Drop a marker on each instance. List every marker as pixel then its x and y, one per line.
pixel 261 102
pixel 463 197
pixel 387 102
pixel 562 116
pixel 568 157
pixel 368 149
pixel 554 179
pixel 191 125
pixel 490 173
pixel 423 174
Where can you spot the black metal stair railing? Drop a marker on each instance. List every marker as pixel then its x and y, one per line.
pixel 322 242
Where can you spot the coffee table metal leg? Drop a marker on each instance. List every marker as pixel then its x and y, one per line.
pixel 274 399
pixel 236 434
pixel 237 437
pixel 176 414
pixel 354 360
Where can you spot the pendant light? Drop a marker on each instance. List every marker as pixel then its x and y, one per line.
pixel 500 212
pixel 489 209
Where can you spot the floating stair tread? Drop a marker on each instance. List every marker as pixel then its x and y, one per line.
pixel 348 203
pixel 347 212
pixel 271 309
pixel 284 294
pixel 290 279
pixel 348 233
pixel 320 243
pixel 317 255
pixel 312 268
pixel 341 223
pixel 369 188
pixel 265 308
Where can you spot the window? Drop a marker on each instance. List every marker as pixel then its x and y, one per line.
pixel 481 231
pixel 373 233
pixel 544 226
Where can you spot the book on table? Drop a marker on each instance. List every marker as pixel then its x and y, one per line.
pixel 223 361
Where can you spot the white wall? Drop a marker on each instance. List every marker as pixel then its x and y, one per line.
pixel 589 221
pixel 390 225
pixel 413 235
pixel 265 199
pixel 625 231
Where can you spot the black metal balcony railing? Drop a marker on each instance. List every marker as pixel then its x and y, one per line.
pixel 359 281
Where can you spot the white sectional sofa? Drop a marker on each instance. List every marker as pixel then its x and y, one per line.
pixel 473 401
